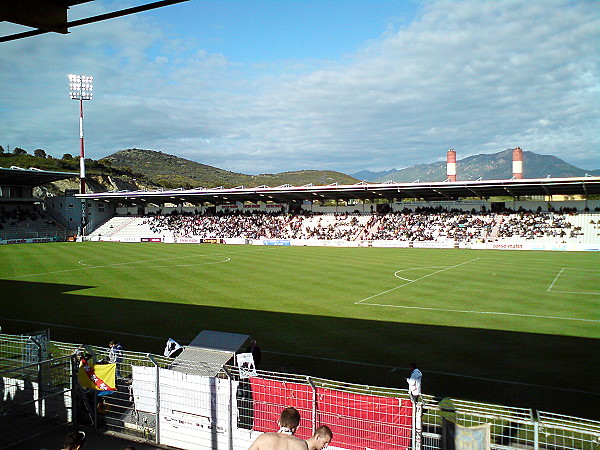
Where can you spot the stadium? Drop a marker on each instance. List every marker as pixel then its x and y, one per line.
pixel 190 318
pixel 341 293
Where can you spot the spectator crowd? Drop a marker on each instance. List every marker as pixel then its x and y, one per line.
pixel 425 224
pixel 26 222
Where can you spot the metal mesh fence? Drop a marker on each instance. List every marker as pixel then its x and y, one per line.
pixel 116 411
pixel 555 431
pixel 34 397
pixel 507 426
pixel 159 405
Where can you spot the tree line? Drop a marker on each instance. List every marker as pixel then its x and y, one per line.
pixel 37 153
pixel 42 160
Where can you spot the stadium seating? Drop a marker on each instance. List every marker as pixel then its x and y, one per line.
pixel 438 226
pixel 28 222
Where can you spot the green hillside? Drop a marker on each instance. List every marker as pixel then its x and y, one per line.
pixel 172 171
pixel 147 169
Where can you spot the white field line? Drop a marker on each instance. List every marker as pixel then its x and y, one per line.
pixel 555 278
pixel 490 258
pixel 575 292
pixel 466 311
pixel 320 358
pixel 123 265
pixel 420 268
pixel 415 280
pixel 404 279
pixel 570 292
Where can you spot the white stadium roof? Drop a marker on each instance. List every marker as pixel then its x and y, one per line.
pixel 585 186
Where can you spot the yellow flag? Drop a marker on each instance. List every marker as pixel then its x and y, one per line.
pixel 100 377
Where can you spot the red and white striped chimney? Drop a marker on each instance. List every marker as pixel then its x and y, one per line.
pixel 518 163
pixel 451 165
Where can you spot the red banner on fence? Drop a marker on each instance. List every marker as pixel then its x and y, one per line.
pixel 271 397
pixel 357 421
pixel 365 421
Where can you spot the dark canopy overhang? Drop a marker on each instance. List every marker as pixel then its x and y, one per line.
pixel 427 191
pixel 51 15
pixel 16 176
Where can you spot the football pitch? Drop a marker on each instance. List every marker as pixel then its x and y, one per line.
pixel 517 328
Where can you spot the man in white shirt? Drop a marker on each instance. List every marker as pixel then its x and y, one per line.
pixel 115 355
pixel 414 382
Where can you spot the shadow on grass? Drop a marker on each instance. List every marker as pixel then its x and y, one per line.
pixel 541 371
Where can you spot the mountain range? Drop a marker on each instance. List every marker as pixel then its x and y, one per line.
pixel 172 171
pixel 496 166
pixel 134 169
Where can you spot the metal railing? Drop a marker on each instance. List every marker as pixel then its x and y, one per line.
pixel 34 396
pixel 158 405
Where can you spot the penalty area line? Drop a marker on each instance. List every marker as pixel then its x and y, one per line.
pixel 575 292
pixel 465 311
pixel 555 278
pixel 552 291
pixel 413 281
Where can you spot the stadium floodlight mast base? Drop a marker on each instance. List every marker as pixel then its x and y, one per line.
pixel 80 88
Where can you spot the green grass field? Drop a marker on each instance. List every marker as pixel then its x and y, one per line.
pixel 516 328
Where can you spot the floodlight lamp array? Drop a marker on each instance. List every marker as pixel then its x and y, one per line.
pixel 80 87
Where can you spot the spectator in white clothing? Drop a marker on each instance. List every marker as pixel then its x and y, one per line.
pixel 414 382
pixel 115 355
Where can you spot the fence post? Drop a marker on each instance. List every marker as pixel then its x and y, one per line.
pixel 38 375
pixel 314 405
pixel 95 409
pixel 536 430
pixel 75 361
pixel 74 393
pixel 230 415
pixel 157 399
pixel 417 428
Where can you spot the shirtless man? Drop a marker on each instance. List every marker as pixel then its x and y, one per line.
pixel 284 439
pixel 320 439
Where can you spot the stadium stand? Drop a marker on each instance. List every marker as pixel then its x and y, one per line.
pixel 23 214
pixel 119 226
pixel 425 225
pixel 252 226
pixel 28 222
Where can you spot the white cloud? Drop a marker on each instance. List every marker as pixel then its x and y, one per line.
pixel 475 76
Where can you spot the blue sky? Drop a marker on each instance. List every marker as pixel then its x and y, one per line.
pixel 271 86
pixel 251 31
